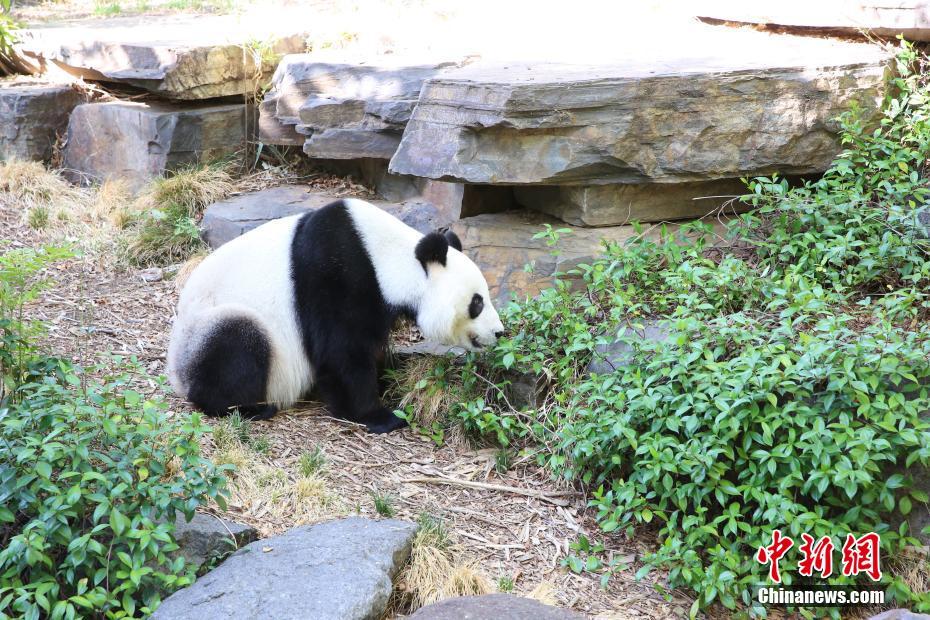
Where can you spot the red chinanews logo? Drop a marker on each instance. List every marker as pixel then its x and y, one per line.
pixel 860 555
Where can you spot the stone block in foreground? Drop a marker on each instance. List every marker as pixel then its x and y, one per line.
pixel 493 607
pixel 176 57
pixel 138 142
pixel 345 110
pixel 32 117
pixel 613 205
pixel 725 103
pixel 502 243
pixel 235 216
pixel 339 570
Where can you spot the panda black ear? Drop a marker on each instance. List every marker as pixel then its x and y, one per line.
pixel 432 248
pixel 453 240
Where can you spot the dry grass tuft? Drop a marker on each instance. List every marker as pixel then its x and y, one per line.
pixel 437 570
pixel 544 592
pixel 187 268
pixel 190 189
pixel 40 195
pixel 169 210
pixel 424 388
pixel 113 203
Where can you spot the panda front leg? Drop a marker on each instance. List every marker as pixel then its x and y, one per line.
pixel 348 383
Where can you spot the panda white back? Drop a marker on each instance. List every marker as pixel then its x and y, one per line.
pixel 312 299
pixel 249 275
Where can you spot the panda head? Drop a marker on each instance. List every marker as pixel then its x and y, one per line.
pixel 456 307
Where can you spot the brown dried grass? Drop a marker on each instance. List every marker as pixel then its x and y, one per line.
pixel 437 570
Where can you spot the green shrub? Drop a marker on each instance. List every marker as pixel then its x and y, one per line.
pixel 92 475
pixel 793 390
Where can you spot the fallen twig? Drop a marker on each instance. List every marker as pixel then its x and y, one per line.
pixel 552 498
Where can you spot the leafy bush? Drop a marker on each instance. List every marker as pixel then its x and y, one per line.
pixel 92 475
pixel 792 390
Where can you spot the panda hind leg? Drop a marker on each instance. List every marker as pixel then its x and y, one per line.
pixel 231 371
pixel 348 382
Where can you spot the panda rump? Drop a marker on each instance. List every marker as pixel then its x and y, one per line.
pixel 310 300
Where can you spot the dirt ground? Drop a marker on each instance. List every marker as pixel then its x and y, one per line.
pixel 515 525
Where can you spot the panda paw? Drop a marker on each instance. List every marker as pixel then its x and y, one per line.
pixel 383 420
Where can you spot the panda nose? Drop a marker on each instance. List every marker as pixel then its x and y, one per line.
pixel 499 334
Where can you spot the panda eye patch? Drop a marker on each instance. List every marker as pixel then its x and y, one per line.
pixel 476 306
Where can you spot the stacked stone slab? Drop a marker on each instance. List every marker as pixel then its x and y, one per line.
pixel 887 18
pixel 665 133
pixel 33 117
pixel 193 76
pixel 343 110
pixel 136 142
pixel 641 140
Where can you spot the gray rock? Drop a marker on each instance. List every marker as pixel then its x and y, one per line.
pixel 347 110
pixel 339 570
pixel 178 57
pixel 662 115
pixel 227 219
pixel 137 142
pixel 273 131
pixel 612 205
pixel 886 18
pixel 900 614
pixel 359 143
pixel 458 199
pixel 206 538
pixel 501 244
pixel 32 117
pixel 618 354
pixel 493 607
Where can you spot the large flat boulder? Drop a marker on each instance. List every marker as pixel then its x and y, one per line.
pixel 345 109
pixel 501 244
pixel 32 118
pixel 493 607
pixel 694 110
pixel 339 570
pixel 137 142
pixel 227 219
pixel 177 57
pixel 612 205
pixel 206 538
pixel 885 18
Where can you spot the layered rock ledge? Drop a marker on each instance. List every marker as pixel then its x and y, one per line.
pixel 729 104
pixel 343 110
pixel 176 57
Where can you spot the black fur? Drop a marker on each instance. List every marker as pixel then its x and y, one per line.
pixel 344 320
pixel 476 306
pixel 453 240
pixel 231 370
pixel 432 248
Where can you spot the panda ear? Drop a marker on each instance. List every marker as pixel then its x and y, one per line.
pixel 453 240
pixel 432 248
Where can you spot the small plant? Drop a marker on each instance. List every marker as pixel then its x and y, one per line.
pixel 432 531
pixel 312 462
pixel 107 9
pixel 503 460
pixel 505 584
pixel 384 504
pixel 260 444
pixel 38 217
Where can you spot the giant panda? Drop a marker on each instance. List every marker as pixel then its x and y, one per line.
pixel 309 301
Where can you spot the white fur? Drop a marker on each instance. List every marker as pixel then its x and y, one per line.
pixel 250 276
